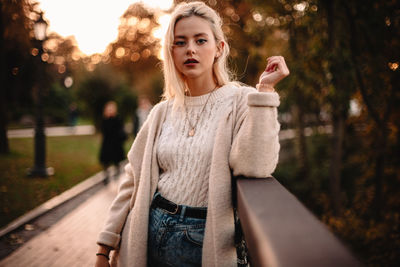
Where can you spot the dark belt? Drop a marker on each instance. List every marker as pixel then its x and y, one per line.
pixel 172 208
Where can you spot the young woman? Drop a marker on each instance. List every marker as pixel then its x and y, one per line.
pixel 174 208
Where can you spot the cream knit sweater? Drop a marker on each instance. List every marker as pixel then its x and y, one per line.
pixel 185 161
pixel 246 142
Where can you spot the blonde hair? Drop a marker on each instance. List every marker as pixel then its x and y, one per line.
pixel 174 82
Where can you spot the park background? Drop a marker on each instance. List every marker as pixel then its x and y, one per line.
pixel 344 62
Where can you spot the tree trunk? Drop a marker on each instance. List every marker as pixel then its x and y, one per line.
pixel 378 116
pixel 379 172
pixel 4 147
pixel 338 124
pixel 300 142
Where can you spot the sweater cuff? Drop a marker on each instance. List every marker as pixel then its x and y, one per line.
pixel 263 99
pixel 109 239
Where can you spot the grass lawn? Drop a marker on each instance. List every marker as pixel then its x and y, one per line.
pixel 74 158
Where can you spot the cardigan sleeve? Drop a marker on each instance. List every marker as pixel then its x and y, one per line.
pixel 120 207
pixel 110 235
pixel 255 146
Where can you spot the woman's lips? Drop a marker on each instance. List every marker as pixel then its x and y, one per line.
pixel 190 62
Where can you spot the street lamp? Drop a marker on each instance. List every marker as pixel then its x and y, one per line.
pixel 39 168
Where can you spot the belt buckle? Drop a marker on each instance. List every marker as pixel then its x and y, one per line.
pixel 175 211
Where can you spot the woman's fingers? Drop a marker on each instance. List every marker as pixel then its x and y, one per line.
pixel 277 63
pixel 275 71
pixel 270 78
pixel 272 63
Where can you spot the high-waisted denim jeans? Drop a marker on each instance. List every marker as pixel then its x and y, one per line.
pixel 174 239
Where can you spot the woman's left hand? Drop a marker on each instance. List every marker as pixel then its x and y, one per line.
pixel 275 71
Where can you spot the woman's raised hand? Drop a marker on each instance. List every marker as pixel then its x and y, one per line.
pixel 275 71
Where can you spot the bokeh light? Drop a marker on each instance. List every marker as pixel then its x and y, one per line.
pixel 393 65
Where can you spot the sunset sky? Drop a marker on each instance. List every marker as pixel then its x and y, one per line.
pixel 94 23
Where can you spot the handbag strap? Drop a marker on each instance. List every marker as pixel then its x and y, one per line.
pixel 240 242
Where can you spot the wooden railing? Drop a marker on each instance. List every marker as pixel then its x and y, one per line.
pixel 280 231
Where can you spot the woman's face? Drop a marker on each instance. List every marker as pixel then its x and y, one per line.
pixel 194 48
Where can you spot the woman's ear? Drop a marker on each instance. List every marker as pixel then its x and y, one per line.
pixel 220 49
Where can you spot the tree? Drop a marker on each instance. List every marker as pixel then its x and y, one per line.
pixel 339 78
pixel 374 41
pixel 15 59
pixel 135 52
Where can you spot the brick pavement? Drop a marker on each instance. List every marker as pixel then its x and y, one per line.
pixel 71 241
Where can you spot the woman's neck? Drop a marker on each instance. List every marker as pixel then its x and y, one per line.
pixel 200 87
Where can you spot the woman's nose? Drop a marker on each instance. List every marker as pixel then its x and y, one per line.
pixel 190 49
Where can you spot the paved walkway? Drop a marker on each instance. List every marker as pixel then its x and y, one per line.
pixel 72 240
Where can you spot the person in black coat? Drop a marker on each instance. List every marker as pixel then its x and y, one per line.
pixel 114 136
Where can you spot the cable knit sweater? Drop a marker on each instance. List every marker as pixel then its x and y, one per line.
pixel 185 161
pixel 245 141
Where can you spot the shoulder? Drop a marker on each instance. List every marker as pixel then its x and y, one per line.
pixel 159 108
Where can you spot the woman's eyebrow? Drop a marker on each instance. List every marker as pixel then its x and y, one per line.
pixel 196 35
pixel 201 34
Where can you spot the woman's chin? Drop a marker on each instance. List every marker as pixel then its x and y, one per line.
pixel 194 74
pixel 191 75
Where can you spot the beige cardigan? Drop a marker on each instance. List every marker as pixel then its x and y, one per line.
pixel 246 141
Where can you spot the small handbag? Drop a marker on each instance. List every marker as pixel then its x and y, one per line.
pixel 240 243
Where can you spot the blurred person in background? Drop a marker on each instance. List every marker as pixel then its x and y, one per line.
pixel 174 206
pixel 114 136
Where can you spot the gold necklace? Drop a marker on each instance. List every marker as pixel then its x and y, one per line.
pixel 192 130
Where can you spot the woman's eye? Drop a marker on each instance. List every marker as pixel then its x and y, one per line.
pixel 201 41
pixel 179 43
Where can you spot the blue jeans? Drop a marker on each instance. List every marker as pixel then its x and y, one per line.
pixel 174 239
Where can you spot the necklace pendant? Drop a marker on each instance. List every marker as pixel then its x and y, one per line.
pixel 191 132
